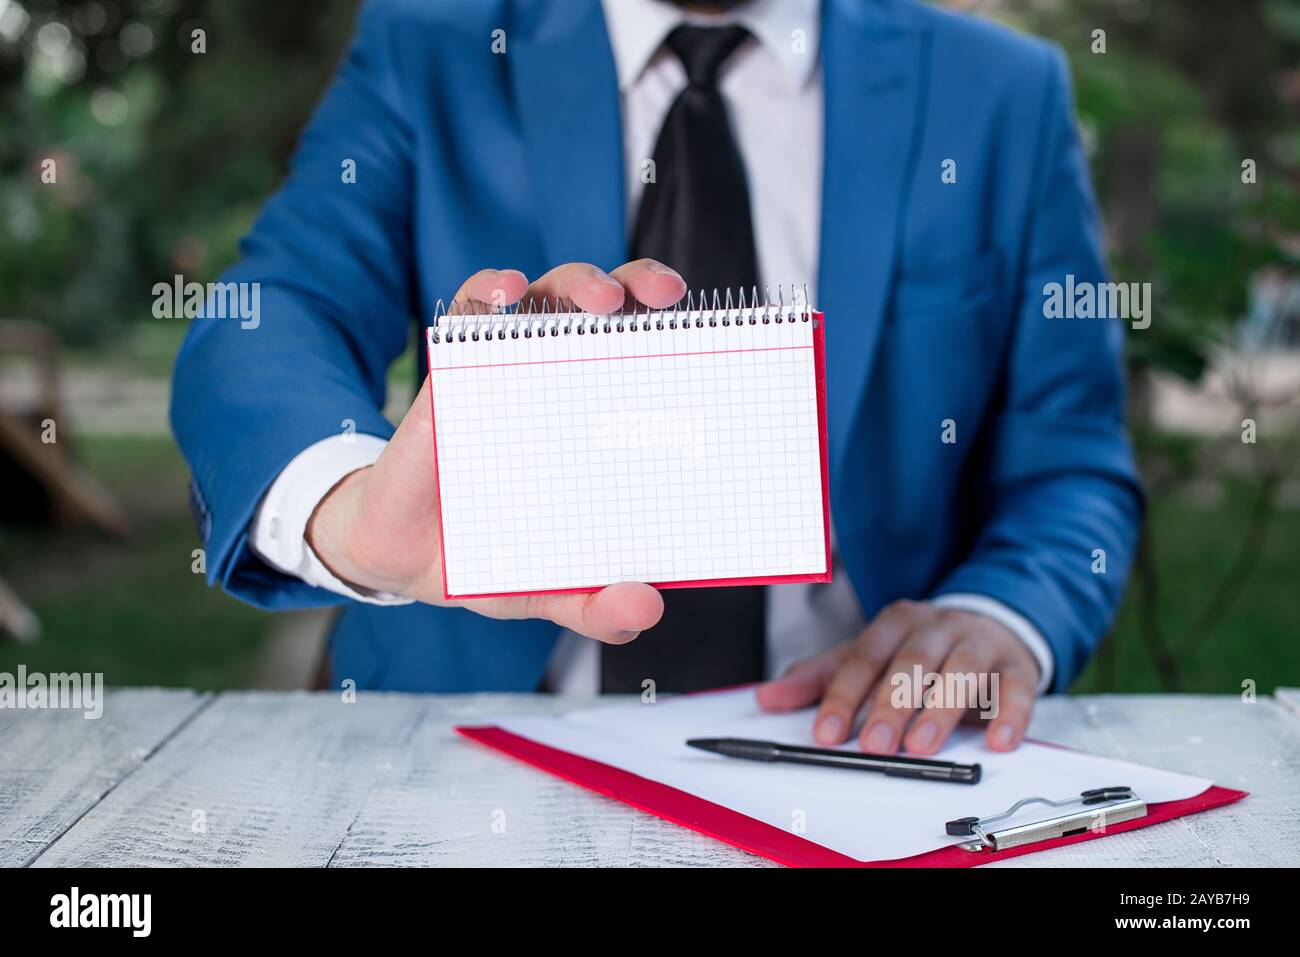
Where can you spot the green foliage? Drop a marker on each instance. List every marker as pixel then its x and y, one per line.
pixel 137 612
pixel 1182 95
pixel 163 156
pixel 1256 639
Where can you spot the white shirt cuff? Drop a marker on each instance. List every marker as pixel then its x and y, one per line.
pixel 1019 625
pixel 278 530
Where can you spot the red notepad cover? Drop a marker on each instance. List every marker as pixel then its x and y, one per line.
pixel 772 842
pixel 819 366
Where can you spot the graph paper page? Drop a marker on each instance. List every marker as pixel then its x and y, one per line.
pixel 573 461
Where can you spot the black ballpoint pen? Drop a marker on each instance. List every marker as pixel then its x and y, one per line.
pixel 892 765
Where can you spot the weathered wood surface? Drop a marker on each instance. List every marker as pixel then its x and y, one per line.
pixel 304 779
pixel 56 765
pixel 1289 698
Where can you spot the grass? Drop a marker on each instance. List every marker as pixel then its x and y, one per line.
pixel 132 610
pixel 1255 639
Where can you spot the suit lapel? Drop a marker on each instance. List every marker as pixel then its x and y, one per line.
pixel 566 92
pixel 872 60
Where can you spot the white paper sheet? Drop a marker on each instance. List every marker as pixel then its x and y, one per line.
pixel 863 815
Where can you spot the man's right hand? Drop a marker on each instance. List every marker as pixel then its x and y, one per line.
pixel 378 527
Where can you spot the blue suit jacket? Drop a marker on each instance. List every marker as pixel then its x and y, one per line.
pixel 933 293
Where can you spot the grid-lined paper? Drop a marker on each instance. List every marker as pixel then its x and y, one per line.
pixel 677 455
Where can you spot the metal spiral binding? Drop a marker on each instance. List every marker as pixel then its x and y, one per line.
pixel 473 321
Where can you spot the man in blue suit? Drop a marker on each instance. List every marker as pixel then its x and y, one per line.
pixel 919 169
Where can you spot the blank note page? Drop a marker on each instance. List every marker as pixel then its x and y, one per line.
pixel 573 461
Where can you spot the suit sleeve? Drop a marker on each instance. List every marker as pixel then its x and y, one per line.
pixel 332 263
pixel 1063 499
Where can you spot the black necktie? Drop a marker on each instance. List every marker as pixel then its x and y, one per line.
pixel 695 215
pixel 695 218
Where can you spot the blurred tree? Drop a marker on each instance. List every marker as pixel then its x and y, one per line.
pixel 1182 95
pixel 165 141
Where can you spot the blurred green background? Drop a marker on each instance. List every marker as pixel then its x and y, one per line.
pixel 164 154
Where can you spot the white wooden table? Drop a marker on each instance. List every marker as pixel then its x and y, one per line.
pixel 303 779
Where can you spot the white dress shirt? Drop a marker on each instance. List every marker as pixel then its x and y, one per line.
pixel 772 87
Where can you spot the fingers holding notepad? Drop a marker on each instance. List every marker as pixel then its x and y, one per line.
pixel 380 528
pixel 589 288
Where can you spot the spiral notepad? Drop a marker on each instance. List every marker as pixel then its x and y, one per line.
pixel 684 448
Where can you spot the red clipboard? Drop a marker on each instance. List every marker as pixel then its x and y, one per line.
pixel 774 843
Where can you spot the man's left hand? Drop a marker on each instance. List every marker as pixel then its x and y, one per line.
pixel 904 635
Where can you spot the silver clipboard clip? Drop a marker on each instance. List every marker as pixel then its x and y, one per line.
pixel 1093 810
